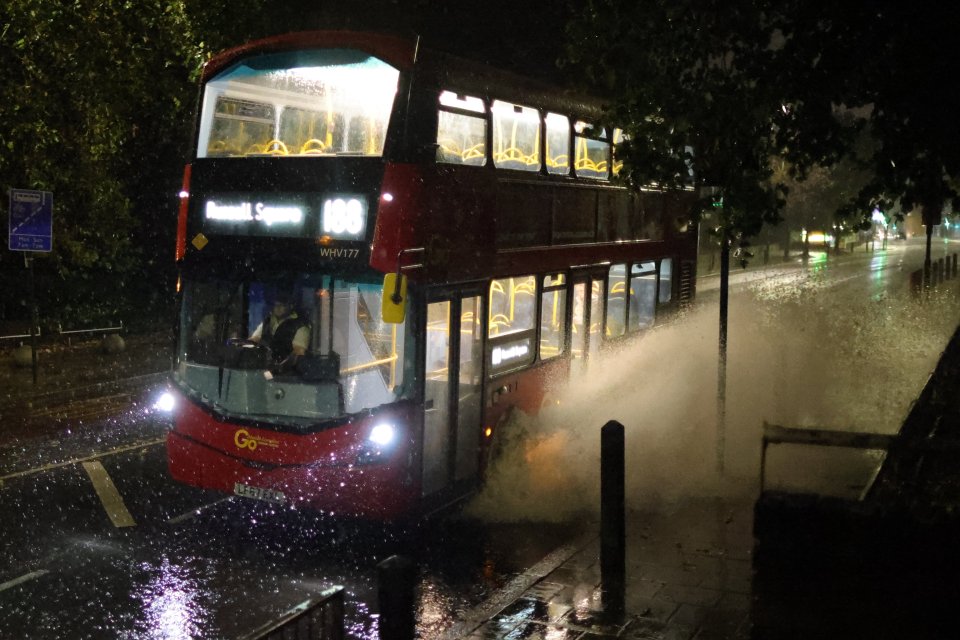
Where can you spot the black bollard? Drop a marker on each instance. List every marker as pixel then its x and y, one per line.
pixel 397 584
pixel 613 546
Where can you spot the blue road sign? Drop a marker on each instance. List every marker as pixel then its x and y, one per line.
pixel 31 220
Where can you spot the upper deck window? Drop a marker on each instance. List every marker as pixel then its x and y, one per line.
pixel 592 151
pixel 619 137
pixel 516 137
pixel 558 144
pixel 331 101
pixel 461 130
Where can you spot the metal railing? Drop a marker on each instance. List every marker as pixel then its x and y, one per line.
pixel 941 270
pixel 20 336
pixel 319 618
pixel 88 332
pixel 888 442
pixel 776 434
pixel 68 334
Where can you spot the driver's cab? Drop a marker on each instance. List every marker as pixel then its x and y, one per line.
pixel 351 359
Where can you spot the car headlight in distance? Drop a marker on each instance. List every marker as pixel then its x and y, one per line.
pixel 165 402
pixel 382 434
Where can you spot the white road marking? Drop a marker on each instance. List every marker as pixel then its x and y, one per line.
pixel 109 496
pixel 96 456
pixel 24 578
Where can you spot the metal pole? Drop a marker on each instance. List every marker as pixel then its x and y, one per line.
pixel 34 317
pixel 397 584
pixel 613 545
pixel 722 359
pixel 926 258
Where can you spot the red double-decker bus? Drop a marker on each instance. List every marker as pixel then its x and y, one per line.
pixel 325 161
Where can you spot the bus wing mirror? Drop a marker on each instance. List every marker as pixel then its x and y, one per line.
pixel 394 297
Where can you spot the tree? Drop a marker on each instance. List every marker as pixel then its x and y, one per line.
pixel 82 81
pixel 96 105
pixel 705 87
pixel 896 61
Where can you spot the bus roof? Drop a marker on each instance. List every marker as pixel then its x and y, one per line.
pixel 395 50
pixel 402 53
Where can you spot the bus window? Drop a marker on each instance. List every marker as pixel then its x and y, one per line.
pixel 512 305
pixel 354 360
pixel 596 317
pixel 616 301
pixel 558 144
pixel 578 321
pixel 592 151
pixel 643 295
pixel 618 137
pixel 516 137
pixel 461 130
pixel 309 132
pixel 239 125
pixel 553 313
pixel 512 323
pixel 298 103
pixel 666 281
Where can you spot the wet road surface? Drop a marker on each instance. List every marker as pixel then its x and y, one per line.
pixel 98 542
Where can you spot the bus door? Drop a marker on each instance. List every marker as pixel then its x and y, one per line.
pixel 587 319
pixel 453 376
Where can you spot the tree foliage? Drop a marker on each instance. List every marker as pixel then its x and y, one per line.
pixel 896 61
pixel 701 85
pixel 96 106
pixel 749 85
pixel 84 83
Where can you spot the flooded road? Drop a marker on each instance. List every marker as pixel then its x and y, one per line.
pixel 125 552
pixel 97 542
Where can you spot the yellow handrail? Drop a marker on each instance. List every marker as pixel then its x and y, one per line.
pixel 368 365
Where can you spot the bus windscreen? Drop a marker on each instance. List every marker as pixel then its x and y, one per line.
pixel 303 103
pixel 290 347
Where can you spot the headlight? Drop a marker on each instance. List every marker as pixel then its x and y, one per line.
pixel 382 434
pixel 165 402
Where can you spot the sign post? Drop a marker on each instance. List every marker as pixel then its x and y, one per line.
pixel 31 230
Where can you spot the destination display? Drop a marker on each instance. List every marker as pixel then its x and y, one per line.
pixel 332 216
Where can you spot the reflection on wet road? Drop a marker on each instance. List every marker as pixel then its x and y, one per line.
pixel 189 563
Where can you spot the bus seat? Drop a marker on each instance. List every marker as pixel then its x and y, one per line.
pixel 313 146
pixel 276 148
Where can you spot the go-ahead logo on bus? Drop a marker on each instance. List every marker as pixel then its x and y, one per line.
pixel 244 440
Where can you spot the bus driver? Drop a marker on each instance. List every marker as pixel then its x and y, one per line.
pixel 287 335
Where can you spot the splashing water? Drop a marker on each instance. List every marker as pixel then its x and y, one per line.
pixel 799 355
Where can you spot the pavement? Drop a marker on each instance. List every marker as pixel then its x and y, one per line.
pixel 688 575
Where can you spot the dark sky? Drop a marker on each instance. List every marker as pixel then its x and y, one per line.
pixel 521 36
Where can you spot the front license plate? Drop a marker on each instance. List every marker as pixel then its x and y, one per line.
pixel 258 493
